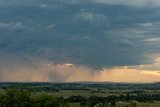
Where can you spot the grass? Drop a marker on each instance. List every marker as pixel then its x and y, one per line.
pixel 122 104
pixel 88 93
pixel 155 104
pixel 69 93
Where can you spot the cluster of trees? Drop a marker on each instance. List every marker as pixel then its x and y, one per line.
pixel 100 87
pixel 111 100
pixel 144 97
pixel 22 98
pixel 93 100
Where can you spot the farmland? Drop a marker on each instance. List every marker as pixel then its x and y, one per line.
pixel 88 94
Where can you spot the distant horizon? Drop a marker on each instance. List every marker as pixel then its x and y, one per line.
pixel 90 82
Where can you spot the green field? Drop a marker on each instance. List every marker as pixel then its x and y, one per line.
pixel 69 93
pixel 80 95
pixel 87 94
pixel 121 104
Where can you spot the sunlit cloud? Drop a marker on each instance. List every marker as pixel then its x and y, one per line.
pixel 44 71
pixel 156 73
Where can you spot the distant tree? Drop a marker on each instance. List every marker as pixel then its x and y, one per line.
pixel 2 100
pixel 93 100
pixel 22 98
pixel 133 104
pixel 76 99
pixel 45 101
pixel 16 98
pixel 128 97
pixel 62 102
pixel 113 103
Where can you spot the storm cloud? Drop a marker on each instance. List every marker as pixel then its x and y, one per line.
pixel 93 34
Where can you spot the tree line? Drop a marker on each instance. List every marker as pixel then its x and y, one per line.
pixel 25 98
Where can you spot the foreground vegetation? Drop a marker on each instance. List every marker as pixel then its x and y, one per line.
pixel 69 95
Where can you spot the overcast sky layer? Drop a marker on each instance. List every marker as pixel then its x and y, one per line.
pixel 90 34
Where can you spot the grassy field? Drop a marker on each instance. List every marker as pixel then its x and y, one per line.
pixel 121 104
pixel 86 94
pixel 138 104
pixel 83 93
pixel 108 95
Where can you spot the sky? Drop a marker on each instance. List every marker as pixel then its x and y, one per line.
pixel 79 40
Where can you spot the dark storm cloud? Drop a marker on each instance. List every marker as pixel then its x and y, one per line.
pixel 94 33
